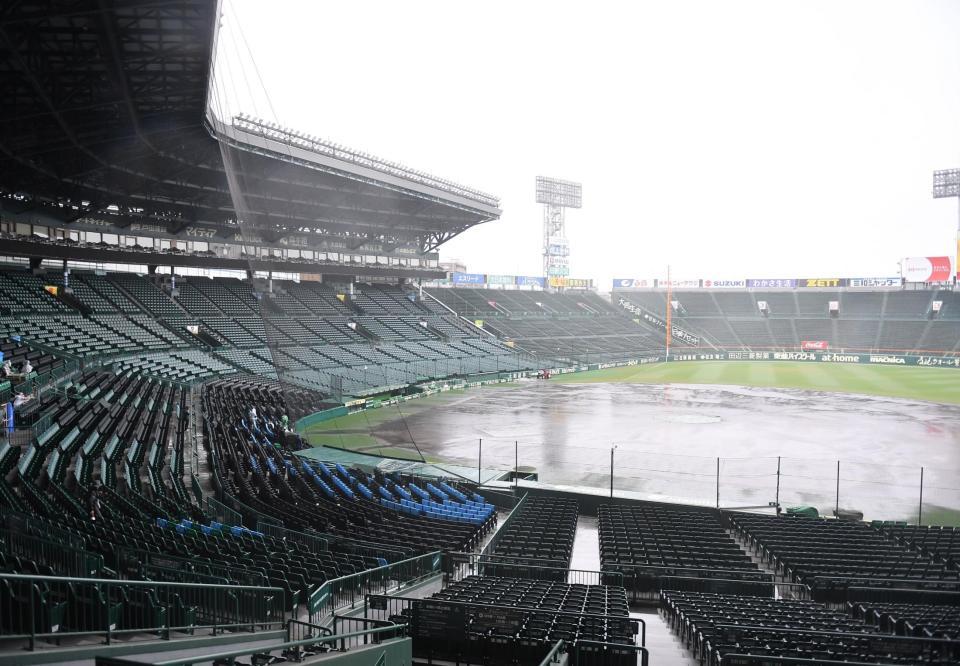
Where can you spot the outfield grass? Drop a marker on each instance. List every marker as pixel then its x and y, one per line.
pixel 931 384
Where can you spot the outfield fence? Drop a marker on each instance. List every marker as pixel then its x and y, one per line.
pixel 911 493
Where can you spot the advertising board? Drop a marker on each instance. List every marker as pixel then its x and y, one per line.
pixel 814 345
pixel 771 283
pixel 679 284
pixel 531 281
pixel 874 282
pixel 821 283
pixel 468 278
pixel 725 284
pixel 926 269
pixel 632 283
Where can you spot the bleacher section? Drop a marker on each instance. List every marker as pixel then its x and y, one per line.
pixel 834 556
pixel 649 544
pixel 728 629
pixel 377 336
pixel 879 321
pixel 540 533
pixel 500 621
pixel 305 495
pixel 918 620
pixel 940 543
pixel 570 327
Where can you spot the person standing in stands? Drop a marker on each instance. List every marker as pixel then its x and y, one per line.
pixel 27 368
pixel 93 502
pixel 7 368
pixel 285 423
pixel 252 417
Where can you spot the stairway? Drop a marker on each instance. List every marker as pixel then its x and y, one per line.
pixel 663 645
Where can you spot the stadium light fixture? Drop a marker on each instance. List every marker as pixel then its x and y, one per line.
pixel 556 196
pixel 946 185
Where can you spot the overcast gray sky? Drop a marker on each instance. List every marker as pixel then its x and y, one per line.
pixel 729 139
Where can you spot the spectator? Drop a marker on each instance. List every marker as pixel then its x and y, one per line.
pixel 93 502
pixel 252 417
pixel 285 422
pixel 7 369
pixel 27 368
pixel 21 399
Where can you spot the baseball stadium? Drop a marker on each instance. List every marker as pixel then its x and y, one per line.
pixel 250 418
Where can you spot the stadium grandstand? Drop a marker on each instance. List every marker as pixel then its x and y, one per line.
pixel 185 297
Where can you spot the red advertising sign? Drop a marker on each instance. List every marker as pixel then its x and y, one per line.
pixel 814 345
pixel 926 269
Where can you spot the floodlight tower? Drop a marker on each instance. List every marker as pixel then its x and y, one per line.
pixel 946 184
pixel 556 196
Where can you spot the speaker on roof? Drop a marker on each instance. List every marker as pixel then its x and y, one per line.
pixel 834 308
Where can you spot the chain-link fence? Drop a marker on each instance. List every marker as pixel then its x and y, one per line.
pixel 882 492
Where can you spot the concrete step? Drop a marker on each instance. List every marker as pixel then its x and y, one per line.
pixel 664 648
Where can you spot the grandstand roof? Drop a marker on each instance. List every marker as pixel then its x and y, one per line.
pixel 106 115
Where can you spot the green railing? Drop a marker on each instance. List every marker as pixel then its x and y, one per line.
pixel 492 544
pixel 62 558
pixel 136 562
pixel 195 487
pixel 25 523
pixel 461 565
pixel 223 513
pixel 364 548
pixel 254 518
pixel 314 542
pixel 375 635
pixel 352 590
pixel 455 615
pixel 553 657
pixel 38 381
pixel 34 608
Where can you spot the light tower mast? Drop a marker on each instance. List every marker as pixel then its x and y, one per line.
pixel 946 184
pixel 556 195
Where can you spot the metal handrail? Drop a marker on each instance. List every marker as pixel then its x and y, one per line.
pixel 553 656
pixel 475 561
pixel 133 583
pixel 495 539
pixel 683 571
pixel 66 556
pixel 217 656
pixel 531 610
pixel 314 541
pixel 97 609
pixel 318 601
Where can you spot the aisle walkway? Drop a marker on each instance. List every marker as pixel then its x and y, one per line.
pixel 586 546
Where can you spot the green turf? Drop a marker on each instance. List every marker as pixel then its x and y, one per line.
pixel 939 515
pixel 932 384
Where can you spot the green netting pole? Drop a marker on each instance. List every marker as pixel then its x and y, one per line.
pixel 612 448
pixel 776 499
pixel 836 510
pixel 516 464
pixel 920 510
